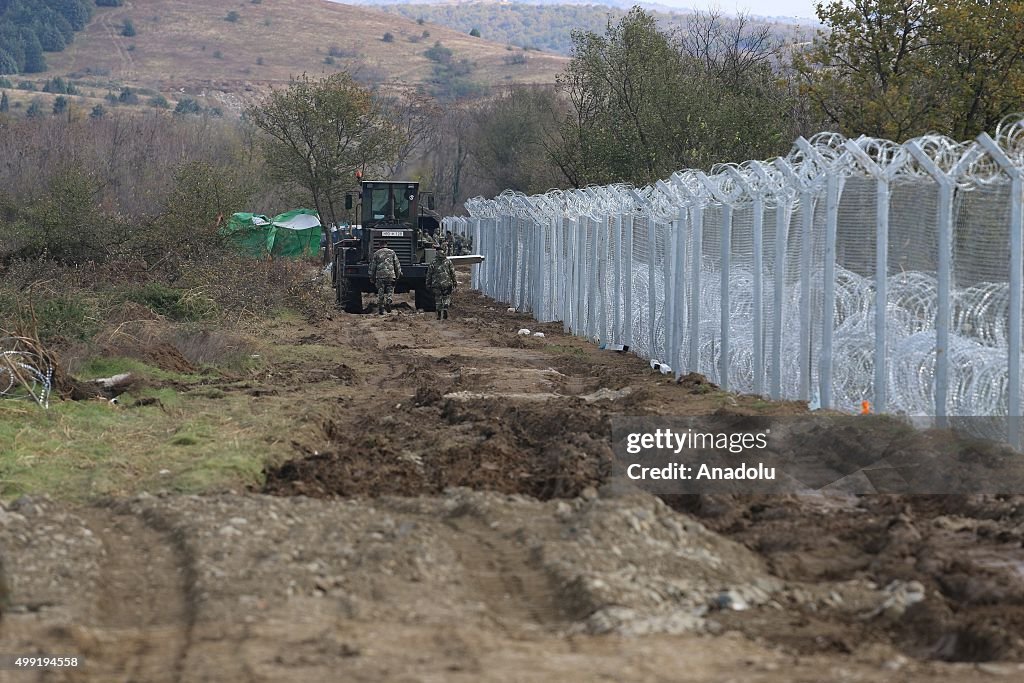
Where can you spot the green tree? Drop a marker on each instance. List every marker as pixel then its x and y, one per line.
pixel 35 62
pixel 8 64
pixel 475 32
pixel 900 68
pixel 644 104
pixel 98 112
pixel 128 28
pixel 232 16
pixel 511 137
pixel 60 104
pixel 319 132
pixel 5 103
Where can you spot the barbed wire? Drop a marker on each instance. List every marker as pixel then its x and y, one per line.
pixel 24 371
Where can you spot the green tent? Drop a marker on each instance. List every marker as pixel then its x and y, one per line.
pixel 293 233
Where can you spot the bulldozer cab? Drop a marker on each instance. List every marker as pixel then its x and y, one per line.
pixel 389 202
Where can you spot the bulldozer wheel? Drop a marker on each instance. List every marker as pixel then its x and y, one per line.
pixel 425 300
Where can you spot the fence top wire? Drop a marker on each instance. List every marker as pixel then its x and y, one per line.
pixel 805 168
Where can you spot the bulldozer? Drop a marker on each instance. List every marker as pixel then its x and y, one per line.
pixel 390 211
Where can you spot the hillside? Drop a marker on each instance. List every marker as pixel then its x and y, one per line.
pixel 228 49
pixel 550 26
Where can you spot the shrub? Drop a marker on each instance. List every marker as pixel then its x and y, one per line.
pixel 128 96
pixel 475 32
pixel 232 16
pixel 159 101
pixel 439 53
pixel 388 37
pixel 128 28
pixel 177 304
pixel 60 104
pixel 187 105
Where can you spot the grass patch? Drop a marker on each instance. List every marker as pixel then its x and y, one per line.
pixel 95 368
pixel 88 449
pixel 567 350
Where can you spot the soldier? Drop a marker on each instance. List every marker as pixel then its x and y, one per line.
pixel 441 280
pixel 458 245
pixel 449 244
pixel 384 270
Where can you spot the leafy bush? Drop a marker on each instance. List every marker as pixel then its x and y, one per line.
pixel 128 28
pixel 187 105
pixel 439 53
pixel 232 16
pixel 388 37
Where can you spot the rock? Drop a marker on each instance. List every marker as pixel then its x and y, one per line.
pixel 729 599
pixel 589 493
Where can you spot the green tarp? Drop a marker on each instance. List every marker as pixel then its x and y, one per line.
pixel 293 233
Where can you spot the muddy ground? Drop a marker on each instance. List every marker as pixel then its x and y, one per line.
pixel 448 516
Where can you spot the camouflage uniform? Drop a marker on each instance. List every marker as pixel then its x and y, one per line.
pixel 384 270
pixel 458 245
pixel 441 280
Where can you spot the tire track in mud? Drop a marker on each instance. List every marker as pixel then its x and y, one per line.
pixel 144 609
pixel 518 594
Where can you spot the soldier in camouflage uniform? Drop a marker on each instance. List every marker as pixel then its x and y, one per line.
pixel 458 245
pixel 441 280
pixel 384 270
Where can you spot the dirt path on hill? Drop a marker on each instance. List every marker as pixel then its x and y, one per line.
pixel 447 517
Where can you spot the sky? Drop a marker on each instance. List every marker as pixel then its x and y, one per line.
pixel 765 8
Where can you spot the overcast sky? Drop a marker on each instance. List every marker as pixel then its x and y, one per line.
pixel 765 8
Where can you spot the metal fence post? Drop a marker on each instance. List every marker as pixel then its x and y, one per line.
pixel 616 275
pixel 783 211
pixel 652 299
pixel 627 273
pixel 944 221
pixel 758 267
pixel 1013 369
pixel 834 187
pixel 679 290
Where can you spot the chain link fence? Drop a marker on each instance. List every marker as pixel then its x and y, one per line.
pixel 846 271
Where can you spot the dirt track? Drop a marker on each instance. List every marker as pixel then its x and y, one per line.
pixel 447 518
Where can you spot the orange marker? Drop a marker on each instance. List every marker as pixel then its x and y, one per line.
pixel 865 407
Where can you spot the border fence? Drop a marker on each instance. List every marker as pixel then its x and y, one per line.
pixel 849 270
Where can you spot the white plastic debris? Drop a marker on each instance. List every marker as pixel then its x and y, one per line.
pixel 538 334
pixel 665 369
pixel 511 309
pixel 655 364
pixel 524 332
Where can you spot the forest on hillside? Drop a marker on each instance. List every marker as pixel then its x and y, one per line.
pixel 28 28
pixel 550 27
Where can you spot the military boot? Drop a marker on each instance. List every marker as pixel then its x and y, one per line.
pixel 445 316
pixel 439 315
pixel 387 307
pixel 380 310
